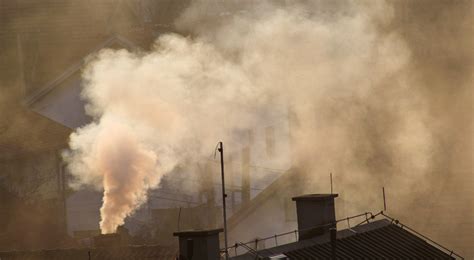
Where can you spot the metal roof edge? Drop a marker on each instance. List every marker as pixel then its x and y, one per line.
pixel 341 234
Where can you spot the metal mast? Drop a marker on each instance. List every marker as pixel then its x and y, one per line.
pixel 221 151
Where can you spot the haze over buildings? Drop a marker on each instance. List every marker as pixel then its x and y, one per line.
pixel 130 98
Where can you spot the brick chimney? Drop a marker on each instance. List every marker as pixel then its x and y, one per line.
pixel 315 210
pixel 120 238
pixel 108 240
pixel 199 244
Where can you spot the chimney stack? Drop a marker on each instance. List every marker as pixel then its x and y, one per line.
pixel 315 210
pixel 108 240
pixel 199 245
pixel 117 239
pixel 333 243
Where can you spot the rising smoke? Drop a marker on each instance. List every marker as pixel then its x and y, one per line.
pixel 336 66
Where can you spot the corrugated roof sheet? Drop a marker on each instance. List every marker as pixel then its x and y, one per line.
pixel 389 242
pixel 380 239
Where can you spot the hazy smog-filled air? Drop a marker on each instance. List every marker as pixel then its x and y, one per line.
pixel 348 75
pixel 173 96
pixel 379 93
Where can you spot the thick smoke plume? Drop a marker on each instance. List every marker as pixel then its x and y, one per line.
pixel 336 66
pixel 125 167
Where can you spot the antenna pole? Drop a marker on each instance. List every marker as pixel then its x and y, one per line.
pixel 330 177
pixel 384 203
pixel 221 151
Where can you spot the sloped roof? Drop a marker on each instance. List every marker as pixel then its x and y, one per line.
pixel 123 253
pixel 381 239
pixel 113 41
pixel 39 40
pixel 389 242
pixel 16 135
pixel 45 36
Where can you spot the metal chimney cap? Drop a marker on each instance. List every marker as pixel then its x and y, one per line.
pixel 197 233
pixel 315 197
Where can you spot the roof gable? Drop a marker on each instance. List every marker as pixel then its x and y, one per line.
pixel 60 99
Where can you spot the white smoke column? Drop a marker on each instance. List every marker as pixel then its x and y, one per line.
pixel 127 169
pixel 344 80
pixel 145 122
